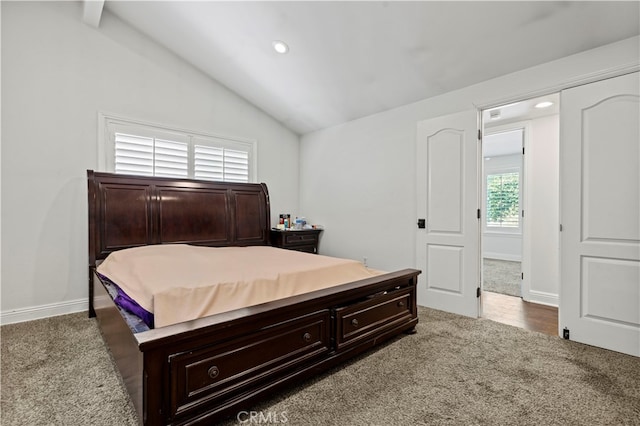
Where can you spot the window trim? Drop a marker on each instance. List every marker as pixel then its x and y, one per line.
pixel 109 123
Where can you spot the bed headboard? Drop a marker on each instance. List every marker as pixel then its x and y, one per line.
pixel 130 211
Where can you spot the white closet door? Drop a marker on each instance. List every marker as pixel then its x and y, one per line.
pixel 447 248
pixel 600 214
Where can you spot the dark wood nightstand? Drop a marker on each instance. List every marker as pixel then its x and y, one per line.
pixel 302 240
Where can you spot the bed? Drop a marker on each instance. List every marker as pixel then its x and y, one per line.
pixel 202 370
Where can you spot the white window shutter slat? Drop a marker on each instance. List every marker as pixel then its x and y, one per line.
pixel 134 154
pixel 171 158
pixel 236 166
pixel 208 163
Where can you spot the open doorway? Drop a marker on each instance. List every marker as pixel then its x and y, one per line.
pixel 502 227
pixel 520 227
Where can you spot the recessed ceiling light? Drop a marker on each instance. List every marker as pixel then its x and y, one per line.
pixel 280 46
pixel 544 104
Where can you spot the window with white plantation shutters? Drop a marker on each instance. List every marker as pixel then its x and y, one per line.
pixel 143 149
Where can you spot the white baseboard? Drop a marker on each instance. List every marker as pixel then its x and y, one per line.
pixel 543 298
pixel 43 311
pixel 502 256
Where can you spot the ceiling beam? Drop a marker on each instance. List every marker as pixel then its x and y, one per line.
pixel 92 12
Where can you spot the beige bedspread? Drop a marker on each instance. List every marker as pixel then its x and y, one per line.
pixel 180 282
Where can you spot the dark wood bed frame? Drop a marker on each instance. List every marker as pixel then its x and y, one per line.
pixel 201 371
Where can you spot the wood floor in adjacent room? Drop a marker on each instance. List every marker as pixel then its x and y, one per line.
pixel 514 311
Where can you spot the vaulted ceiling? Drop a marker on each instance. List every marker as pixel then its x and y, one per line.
pixel 347 60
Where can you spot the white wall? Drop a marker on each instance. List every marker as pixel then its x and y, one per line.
pixel 358 178
pixel 502 246
pixel 57 73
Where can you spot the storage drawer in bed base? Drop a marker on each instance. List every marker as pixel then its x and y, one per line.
pixel 369 318
pixel 217 372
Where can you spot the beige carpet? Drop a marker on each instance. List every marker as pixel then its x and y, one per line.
pixel 501 276
pixel 454 371
pixel 58 371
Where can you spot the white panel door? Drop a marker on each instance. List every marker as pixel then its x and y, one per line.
pixel 447 249
pixel 600 214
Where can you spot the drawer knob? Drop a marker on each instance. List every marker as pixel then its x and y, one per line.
pixel 401 304
pixel 354 322
pixel 213 372
pixel 306 337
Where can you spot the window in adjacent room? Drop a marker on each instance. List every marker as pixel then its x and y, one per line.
pixel 503 200
pixel 143 149
pixel 502 187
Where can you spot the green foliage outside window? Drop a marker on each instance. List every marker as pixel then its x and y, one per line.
pixel 503 194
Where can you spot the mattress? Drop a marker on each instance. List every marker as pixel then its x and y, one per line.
pixel 137 318
pixel 177 283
